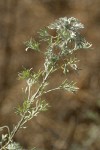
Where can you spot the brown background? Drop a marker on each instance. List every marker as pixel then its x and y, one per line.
pixel 73 121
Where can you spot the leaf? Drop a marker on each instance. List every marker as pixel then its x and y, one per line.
pixel 44 35
pixel 69 86
pixel 25 74
pixel 32 44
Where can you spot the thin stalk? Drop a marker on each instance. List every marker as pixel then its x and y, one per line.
pixel 29 89
pixel 57 88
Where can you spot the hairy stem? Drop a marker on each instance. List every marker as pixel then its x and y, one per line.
pixel 22 121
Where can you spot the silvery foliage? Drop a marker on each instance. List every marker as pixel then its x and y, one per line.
pixel 61 45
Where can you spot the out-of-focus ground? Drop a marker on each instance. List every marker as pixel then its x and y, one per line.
pixel 73 121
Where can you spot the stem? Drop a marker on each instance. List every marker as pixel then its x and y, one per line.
pixel 39 89
pixel 1 128
pixel 57 88
pixel 22 121
pixel 29 89
pixel 16 128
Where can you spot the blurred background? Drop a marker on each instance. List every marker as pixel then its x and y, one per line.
pixel 73 121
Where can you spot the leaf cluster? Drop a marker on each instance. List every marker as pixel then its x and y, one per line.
pixel 63 39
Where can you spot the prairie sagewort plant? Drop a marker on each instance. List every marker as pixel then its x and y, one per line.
pixel 60 53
